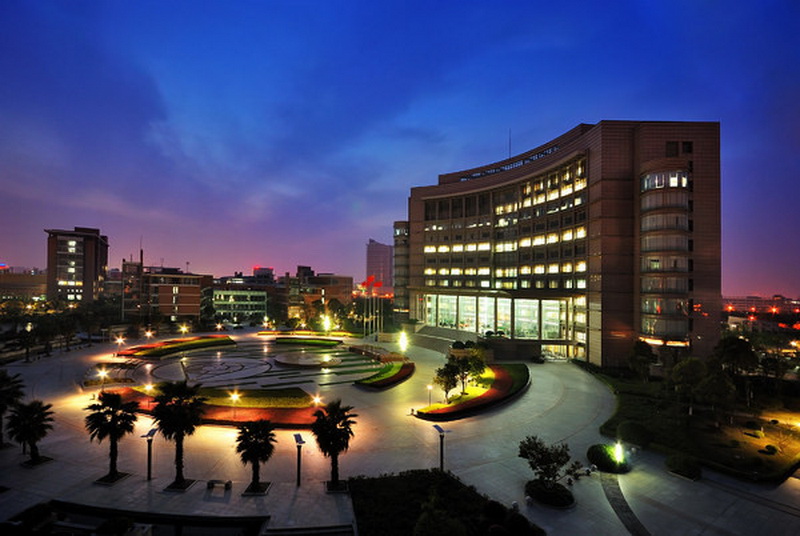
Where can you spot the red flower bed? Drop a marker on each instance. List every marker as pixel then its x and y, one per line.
pixel 280 417
pixel 500 389
pixel 138 350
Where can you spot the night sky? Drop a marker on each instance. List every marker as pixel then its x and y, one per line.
pixel 232 134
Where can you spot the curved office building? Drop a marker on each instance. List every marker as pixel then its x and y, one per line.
pixel 604 235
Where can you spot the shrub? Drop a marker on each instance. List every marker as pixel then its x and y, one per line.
pixel 603 457
pixel 685 466
pixel 634 432
pixel 554 495
pixel 770 450
pixel 471 344
pixel 458 345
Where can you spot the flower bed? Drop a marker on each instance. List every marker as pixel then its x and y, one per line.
pixel 284 412
pixel 391 374
pixel 509 380
pixel 162 348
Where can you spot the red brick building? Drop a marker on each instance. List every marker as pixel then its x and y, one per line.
pixel 604 235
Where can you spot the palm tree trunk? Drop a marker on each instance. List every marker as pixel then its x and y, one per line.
pixel 335 469
pixel 179 459
pixel 34 451
pixel 114 451
pixel 256 475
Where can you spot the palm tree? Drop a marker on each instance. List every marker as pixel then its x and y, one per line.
pixel 11 392
pixel 178 412
pixel 255 444
pixel 111 418
pixel 29 423
pixel 333 430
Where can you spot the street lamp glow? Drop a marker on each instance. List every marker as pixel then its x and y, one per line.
pixel 103 373
pixel 219 327
pixel 184 329
pixel 120 341
pixel 403 342
pixel 148 334
pixel 317 399
pixel 619 453
pixel 326 323
pixel 235 397
pixel 430 390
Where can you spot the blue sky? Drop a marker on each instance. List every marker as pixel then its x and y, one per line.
pixel 230 134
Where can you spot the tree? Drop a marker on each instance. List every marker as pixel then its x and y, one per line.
pixel 640 359
pixel 687 376
pixel 447 378
pixel 333 429
pixel 12 390
pixel 255 445
pixel 547 461
pixel 111 418
pixel 29 423
pixel 718 390
pixel 178 413
pixel 66 324
pixel 736 354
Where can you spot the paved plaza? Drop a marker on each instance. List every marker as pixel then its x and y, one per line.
pixel 563 403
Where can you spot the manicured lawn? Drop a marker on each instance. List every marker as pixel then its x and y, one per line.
pixel 390 375
pixel 163 348
pixel 737 447
pixel 500 383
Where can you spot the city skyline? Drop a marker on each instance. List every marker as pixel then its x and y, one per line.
pixel 279 134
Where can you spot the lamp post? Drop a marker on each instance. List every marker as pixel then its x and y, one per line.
pixel 148 388
pixel 120 342
pixel 430 390
pixel 149 436
pixel 441 431
pixel 299 440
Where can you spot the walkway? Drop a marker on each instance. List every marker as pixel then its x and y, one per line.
pixel 563 404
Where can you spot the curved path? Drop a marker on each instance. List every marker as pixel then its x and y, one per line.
pixel 563 403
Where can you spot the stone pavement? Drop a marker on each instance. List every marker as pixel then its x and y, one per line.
pixel 564 403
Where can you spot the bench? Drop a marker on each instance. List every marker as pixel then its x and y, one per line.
pixel 227 484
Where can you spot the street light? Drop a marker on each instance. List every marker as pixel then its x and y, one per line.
pixel 299 440
pixel 120 342
pixel 148 334
pixel 441 431
pixel 403 342
pixel 317 400
pixel 184 329
pixel 235 396
pixel 103 373
pixel 149 436
pixel 430 390
pixel 148 388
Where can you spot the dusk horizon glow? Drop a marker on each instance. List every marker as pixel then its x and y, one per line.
pixel 231 135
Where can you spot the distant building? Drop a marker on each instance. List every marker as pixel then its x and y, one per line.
pixel 151 294
pixel 380 265
pixel 607 234
pixel 22 286
pixel 77 262
pixel 400 282
pixel 299 292
pixel 776 304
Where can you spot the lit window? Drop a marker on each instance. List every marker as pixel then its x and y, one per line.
pixel 430 282
pixel 552 238
pixel 444 271
pixel 580 283
pixel 538 269
pixel 525 243
pixel 72 243
pixel 455 271
pixel 538 240
pixel 470 271
pixel 525 270
pixel 552 269
pixel 443 249
pixel 485 283
pixel 566 267
pixel 566 235
pixel 581 266
pixel 484 270
pixel 430 271
pixel 458 248
pixel 472 247
pixel 580 301
pixel 430 249
pixel 580 232
pixel 484 246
